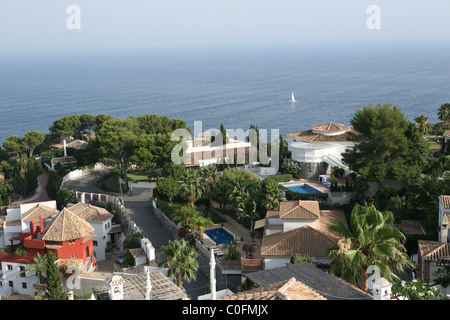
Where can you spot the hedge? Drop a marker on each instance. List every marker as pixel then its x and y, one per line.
pixel 291 195
pixel 280 178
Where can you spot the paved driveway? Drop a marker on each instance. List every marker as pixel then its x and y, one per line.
pixel 139 209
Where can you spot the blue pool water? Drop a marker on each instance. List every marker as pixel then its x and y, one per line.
pixel 303 188
pixel 219 235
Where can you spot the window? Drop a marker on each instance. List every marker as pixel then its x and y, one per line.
pixel 10 267
pixel 95 243
pixel 24 285
pixel 11 284
pixel 22 272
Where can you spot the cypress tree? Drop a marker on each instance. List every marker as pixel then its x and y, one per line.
pixel 54 280
pixel 224 134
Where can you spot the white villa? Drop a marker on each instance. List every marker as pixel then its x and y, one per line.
pixel 319 149
pixel 202 152
pixel 299 227
pixel 18 220
pixel 434 255
pixel 101 220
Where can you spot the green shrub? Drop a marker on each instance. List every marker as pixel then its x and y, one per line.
pixel 128 260
pixel 280 178
pixel 133 241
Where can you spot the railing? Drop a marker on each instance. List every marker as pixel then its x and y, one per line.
pixel 334 161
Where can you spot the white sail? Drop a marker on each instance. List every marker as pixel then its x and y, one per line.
pixel 293 98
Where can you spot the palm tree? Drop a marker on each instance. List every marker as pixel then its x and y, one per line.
pixel 191 218
pixel 247 204
pixel 422 121
pixel 444 113
pixel 210 178
pixel 39 267
pixel 249 249
pixel 273 195
pixel 191 187
pixel 299 259
pixel 181 261
pixel 231 250
pixel 371 240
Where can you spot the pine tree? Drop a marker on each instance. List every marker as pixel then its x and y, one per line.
pixel 54 280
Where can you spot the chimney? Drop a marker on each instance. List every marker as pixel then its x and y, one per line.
pixel 381 289
pixel 33 227
pixel 212 275
pixel 65 152
pixel 41 224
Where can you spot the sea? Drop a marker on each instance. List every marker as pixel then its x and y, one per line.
pixel 236 86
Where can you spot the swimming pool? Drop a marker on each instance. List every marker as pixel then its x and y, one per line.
pixel 302 188
pixel 219 235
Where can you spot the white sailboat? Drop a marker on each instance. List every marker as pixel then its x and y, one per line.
pixel 293 98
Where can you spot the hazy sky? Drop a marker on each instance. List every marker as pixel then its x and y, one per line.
pixel 29 25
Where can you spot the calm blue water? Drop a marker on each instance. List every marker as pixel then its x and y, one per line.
pixel 219 235
pixel 236 86
pixel 303 188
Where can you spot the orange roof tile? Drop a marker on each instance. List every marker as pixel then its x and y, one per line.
pixel 304 241
pixel 296 209
pixel 445 200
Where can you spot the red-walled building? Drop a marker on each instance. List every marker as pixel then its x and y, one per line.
pixel 64 234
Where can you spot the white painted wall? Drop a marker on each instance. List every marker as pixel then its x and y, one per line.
pixel 13 275
pixel 273 262
pixel 148 248
pixel 101 230
pixel 2 240
pixel 291 225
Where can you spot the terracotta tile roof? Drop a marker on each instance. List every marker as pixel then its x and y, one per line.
pixel 13 258
pixel 283 290
pixel 296 209
pixel 311 136
pixel 13 223
pixel 35 212
pixel 304 241
pixel 433 250
pixel 445 201
pixel 327 285
pixel 446 133
pixel 89 212
pixel 77 144
pixel 326 217
pixel 331 127
pixel 66 226
pixel 295 290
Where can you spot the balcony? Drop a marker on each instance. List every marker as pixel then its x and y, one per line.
pixel 30 243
